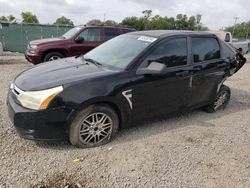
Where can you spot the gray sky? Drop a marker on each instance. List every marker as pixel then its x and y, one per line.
pixel 215 13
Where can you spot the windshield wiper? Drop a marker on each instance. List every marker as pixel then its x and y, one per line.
pixel 89 60
pixel 96 63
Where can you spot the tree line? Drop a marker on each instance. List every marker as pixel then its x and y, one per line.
pixel 241 30
pixel 147 21
pixel 28 17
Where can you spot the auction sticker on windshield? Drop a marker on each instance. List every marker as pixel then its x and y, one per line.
pixel 147 39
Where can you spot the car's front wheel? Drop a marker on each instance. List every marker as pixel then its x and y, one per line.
pixel 221 101
pixel 94 126
pixel 52 56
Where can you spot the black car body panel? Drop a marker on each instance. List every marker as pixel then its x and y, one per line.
pixel 49 74
pixel 134 97
pixel 49 124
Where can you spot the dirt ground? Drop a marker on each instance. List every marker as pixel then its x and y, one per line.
pixel 196 149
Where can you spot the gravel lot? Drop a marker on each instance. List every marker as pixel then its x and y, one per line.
pixel 196 149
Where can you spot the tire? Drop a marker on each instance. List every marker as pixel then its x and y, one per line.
pixel 221 101
pixel 83 134
pixel 53 56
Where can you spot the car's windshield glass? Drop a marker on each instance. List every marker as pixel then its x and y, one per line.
pixel 71 33
pixel 120 51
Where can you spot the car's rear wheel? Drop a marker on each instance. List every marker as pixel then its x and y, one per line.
pixel 52 56
pixel 94 126
pixel 221 101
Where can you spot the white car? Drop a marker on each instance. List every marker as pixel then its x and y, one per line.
pixel 227 37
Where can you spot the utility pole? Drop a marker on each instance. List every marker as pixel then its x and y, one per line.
pixel 247 32
pixel 104 17
pixel 235 21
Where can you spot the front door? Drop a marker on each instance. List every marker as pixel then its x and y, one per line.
pixel 157 95
pixel 92 39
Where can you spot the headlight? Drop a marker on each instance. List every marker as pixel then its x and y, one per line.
pixel 32 48
pixel 38 100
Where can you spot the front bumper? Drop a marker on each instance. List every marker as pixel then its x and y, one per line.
pixel 33 58
pixel 49 124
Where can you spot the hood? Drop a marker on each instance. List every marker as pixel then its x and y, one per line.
pixel 48 40
pixel 56 73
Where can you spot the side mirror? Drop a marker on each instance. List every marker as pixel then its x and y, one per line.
pixel 227 38
pixel 79 39
pixel 153 68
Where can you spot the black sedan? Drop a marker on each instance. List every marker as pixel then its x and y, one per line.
pixel 131 78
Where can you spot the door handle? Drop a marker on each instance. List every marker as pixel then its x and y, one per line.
pixel 221 65
pixel 197 68
pixel 183 73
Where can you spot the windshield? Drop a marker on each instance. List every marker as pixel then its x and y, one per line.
pixel 71 33
pixel 120 51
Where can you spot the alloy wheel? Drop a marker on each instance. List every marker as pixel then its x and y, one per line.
pixel 221 100
pixel 95 128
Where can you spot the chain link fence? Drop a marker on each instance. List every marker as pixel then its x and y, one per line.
pixel 16 36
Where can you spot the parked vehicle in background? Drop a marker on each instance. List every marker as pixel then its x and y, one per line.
pixel 76 41
pixel 129 79
pixel 244 46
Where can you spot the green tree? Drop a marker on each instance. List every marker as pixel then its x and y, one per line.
pixel 135 22
pixel 191 23
pixel 11 18
pixel 147 14
pixel 94 22
pixel 64 21
pixel 198 21
pixel 181 22
pixel 110 22
pixel 28 17
pixel 158 22
pixel 149 22
pixel 3 19
pixel 242 30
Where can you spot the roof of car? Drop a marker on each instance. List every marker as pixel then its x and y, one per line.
pixel 109 26
pixel 165 33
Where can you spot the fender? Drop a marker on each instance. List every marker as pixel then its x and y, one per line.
pixel 52 49
pixel 122 109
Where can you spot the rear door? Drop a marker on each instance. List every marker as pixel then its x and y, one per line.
pixel 208 69
pixel 92 39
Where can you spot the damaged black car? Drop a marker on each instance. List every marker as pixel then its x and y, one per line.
pixel 131 78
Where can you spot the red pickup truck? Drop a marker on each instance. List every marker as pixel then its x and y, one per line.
pixel 76 41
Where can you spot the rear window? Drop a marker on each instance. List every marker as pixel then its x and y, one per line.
pixel 110 33
pixel 205 49
pixel 127 30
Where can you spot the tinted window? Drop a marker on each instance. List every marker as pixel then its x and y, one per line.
pixel 205 49
pixel 91 34
pixel 171 53
pixel 110 33
pixel 127 30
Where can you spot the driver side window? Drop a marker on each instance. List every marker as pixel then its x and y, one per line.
pixel 171 53
pixel 90 34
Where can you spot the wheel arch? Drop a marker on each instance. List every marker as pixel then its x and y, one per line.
pixel 60 50
pixel 124 118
